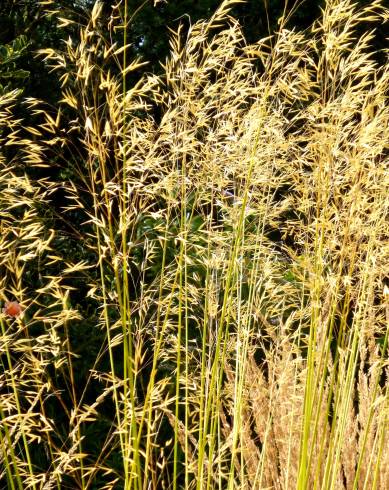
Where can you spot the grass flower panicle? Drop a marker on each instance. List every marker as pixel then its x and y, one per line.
pixel 224 322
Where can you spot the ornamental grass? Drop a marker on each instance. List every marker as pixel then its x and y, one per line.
pixel 200 257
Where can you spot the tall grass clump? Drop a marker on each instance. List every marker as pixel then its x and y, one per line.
pixel 34 343
pixel 231 218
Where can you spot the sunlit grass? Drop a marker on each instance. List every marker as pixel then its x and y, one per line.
pixel 235 249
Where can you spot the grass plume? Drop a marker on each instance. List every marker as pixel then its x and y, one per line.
pixel 230 220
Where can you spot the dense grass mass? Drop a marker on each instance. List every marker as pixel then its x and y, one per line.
pixel 200 259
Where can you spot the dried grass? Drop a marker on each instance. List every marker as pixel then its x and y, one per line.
pixel 235 360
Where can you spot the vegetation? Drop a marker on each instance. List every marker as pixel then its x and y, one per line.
pixel 193 262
